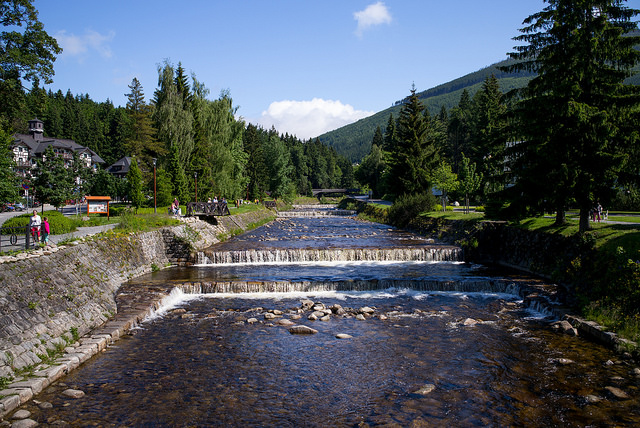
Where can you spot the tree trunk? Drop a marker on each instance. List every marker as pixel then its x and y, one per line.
pixel 560 216
pixel 584 220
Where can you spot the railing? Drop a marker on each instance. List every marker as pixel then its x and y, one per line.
pixel 17 238
pixel 207 208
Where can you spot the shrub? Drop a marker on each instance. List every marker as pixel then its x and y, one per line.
pixel 438 207
pixel 407 207
pixel 58 223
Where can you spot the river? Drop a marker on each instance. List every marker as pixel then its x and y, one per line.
pixel 405 335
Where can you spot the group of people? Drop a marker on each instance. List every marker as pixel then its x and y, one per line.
pixel 597 214
pixel 175 207
pixel 40 228
pixel 215 200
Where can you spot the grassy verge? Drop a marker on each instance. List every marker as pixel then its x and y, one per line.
pixel 144 222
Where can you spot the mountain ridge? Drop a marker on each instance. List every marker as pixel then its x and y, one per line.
pixel 354 140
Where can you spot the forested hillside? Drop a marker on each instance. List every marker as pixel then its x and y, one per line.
pixel 354 141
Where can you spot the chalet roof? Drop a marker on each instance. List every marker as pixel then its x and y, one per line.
pixel 37 147
pixel 121 166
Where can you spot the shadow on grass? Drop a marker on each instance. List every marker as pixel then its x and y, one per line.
pixel 548 226
pixel 628 240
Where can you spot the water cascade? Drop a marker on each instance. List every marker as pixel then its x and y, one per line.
pixel 315 211
pixel 297 255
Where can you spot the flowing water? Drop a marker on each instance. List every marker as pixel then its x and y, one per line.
pixel 431 341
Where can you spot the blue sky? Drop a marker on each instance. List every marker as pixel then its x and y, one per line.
pixel 304 66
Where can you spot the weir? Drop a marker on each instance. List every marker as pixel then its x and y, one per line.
pixel 433 254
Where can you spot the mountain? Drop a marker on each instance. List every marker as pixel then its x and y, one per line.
pixel 354 140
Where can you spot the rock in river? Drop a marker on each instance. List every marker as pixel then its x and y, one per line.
pixel 302 329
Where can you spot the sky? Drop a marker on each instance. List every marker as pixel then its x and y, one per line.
pixel 303 66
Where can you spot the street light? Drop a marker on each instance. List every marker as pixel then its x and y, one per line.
pixel 155 206
pixel 195 177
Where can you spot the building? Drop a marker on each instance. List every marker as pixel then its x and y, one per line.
pixel 120 169
pixel 28 148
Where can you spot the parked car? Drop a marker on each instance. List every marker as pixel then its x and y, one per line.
pixel 6 207
pixel 19 206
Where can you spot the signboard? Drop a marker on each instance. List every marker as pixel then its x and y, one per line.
pixel 98 204
pixel 97 208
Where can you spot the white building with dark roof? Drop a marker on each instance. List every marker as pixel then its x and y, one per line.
pixel 28 148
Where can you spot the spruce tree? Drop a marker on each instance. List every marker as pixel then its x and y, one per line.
pixel 459 131
pixel 389 134
pixel 414 155
pixel 8 180
pixel 571 118
pixel 141 143
pixel 488 135
pixel 134 179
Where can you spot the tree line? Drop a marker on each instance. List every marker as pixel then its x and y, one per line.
pixel 567 139
pixel 192 139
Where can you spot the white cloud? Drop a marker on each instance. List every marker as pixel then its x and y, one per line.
pixel 80 46
pixel 308 119
pixel 374 14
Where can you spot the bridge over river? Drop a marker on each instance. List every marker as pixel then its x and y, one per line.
pixel 398 331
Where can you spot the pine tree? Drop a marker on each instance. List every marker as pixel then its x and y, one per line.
pixel 488 134
pixel 8 181
pixel 134 179
pixel 570 119
pixel 378 139
pixel 141 144
pixel 414 155
pixel 252 144
pixel 459 131
pixel 278 165
pixel 178 176
pixel 389 134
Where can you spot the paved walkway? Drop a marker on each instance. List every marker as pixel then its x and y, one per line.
pixel 55 240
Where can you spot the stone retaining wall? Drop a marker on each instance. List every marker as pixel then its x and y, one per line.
pixel 50 302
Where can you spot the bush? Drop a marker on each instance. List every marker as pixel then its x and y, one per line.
pixel 438 207
pixel 407 207
pixel 58 223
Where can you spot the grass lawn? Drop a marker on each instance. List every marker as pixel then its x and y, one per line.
pixel 454 215
pixel 608 236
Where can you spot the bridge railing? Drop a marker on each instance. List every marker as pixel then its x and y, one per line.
pixel 207 208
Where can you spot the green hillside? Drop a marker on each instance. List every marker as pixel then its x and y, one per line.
pixel 354 141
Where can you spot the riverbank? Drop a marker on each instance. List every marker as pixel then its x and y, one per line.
pixel 563 260
pixel 60 308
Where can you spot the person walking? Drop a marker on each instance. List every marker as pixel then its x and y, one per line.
pixel 45 231
pixel 35 223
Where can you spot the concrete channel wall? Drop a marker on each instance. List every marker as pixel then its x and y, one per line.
pixel 70 304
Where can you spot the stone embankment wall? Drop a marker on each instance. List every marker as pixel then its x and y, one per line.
pixel 48 302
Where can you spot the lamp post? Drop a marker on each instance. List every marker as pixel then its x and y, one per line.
pixel 195 177
pixel 155 206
